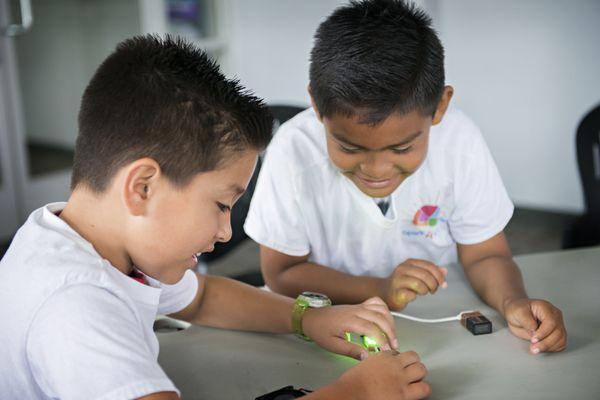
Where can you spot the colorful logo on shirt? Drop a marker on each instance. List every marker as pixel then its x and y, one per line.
pixel 427 216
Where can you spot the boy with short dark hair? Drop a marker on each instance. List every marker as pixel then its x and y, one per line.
pixel 166 147
pixel 381 185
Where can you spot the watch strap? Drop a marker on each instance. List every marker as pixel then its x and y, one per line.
pixel 300 307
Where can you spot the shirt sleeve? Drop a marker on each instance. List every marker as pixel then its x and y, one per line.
pixel 275 218
pixel 174 298
pixel 86 343
pixel 482 206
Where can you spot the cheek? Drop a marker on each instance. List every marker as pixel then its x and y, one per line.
pixel 208 225
pixel 181 230
pixel 410 162
pixel 200 225
pixel 343 161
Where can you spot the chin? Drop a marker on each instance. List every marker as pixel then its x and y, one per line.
pixel 379 192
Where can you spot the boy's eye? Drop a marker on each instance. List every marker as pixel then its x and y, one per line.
pixel 349 150
pixel 401 150
pixel 223 207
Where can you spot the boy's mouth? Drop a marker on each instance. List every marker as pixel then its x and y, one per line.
pixel 196 257
pixel 374 183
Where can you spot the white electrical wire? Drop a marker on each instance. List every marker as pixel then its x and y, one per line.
pixel 429 320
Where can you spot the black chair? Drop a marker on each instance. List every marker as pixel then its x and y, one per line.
pixel 585 231
pixel 281 113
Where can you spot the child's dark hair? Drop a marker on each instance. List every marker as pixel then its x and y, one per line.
pixel 167 100
pixel 375 57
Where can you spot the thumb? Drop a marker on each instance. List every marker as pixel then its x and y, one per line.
pixel 523 317
pixel 346 348
pixel 374 301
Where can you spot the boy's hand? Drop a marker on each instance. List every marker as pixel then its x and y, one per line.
pixel 387 375
pixel 327 327
pixel 537 321
pixel 410 279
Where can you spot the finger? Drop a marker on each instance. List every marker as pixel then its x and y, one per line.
pixel 560 345
pixel 410 282
pixel 522 317
pixel 407 358
pixel 368 328
pixel 375 301
pixel 386 347
pixel 424 275
pixel 547 343
pixel 345 348
pixel 417 391
pixel 415 372
pixel 384 324
pixel 385 312
pixel 445 272
pixel 547 326
pixel 520 332
pixel 437 272
pixel 402 297
pixel 550 318
pixel 384 309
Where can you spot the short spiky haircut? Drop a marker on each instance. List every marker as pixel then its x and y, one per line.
pixel 374 57
pixel 167 100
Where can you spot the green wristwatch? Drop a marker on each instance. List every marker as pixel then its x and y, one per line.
pixel 303 302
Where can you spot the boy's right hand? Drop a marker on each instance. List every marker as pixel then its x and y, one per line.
pixel 327 327
pixel 387 375
pixel 410 279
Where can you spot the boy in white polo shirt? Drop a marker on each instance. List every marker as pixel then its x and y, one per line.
pixel 166 146
pixel 380 185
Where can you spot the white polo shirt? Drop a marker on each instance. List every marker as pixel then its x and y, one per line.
pixel 304 205
pixel 74 326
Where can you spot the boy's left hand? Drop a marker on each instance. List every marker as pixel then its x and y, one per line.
pixel 327 326
pixel 537 321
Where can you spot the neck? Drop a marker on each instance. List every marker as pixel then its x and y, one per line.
pixel 94 217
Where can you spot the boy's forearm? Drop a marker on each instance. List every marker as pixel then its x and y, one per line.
pixel 230 304
pixel 333 391
pixel 496 280
pixel 342 288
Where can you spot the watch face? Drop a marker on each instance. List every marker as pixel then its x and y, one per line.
pixel 315 300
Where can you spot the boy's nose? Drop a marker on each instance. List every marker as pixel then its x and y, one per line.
pixel 376 166
pixel 225 233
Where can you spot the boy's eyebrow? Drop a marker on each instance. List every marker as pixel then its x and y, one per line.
pixel 409 139
pixel 235 188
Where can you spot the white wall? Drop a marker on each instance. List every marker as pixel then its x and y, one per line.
pixel 270 44
pixel 526 72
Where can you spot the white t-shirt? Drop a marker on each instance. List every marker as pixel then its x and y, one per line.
pixel 303 204
pixel 74 327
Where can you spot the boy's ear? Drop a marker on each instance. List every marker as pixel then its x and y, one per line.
pixel 314 106
pixel 141 182
pixel 443 105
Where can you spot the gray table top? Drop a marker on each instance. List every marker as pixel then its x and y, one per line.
pixel 207 363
